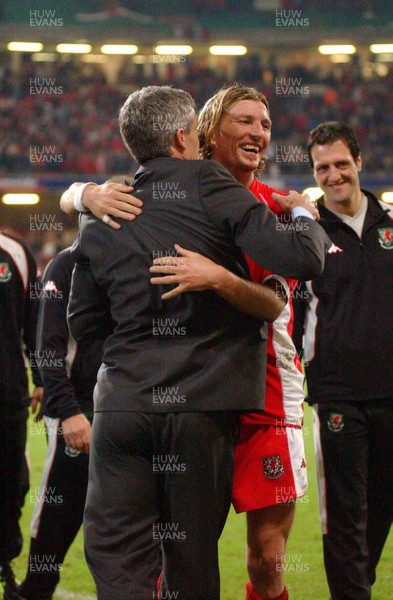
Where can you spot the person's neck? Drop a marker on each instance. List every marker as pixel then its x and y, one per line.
pixel 350 207
pixel 244 177
pixel 175 153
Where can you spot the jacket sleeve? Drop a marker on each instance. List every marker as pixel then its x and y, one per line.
pixel 31 317
pixel 53 339
pixel 294 249
pixel 88 309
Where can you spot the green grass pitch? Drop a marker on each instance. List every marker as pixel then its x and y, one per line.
pixel 305 576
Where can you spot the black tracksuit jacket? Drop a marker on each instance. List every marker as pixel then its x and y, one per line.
pixel 18 322
pixel 68 370
pixel 347 312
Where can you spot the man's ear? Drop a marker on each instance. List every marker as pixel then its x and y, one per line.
pixel 179 140
pixel 359 162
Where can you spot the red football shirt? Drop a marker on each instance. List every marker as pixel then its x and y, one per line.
pixel 284 376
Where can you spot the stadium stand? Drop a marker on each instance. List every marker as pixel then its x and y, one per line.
pixel 58 120
pixel 72 108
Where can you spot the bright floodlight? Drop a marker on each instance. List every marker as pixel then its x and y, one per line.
pixel 387 197
pixel 173 49
pixel 381 48
pixel 337 49
pixel 228 50
pixel 73 48
pixel 25 46
pixel 13 199
pixel 119 49
pixel 313 193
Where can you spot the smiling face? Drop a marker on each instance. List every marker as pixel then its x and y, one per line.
pixel 241 139
pixel 337 174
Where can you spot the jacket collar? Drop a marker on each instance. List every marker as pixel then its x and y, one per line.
pixel 150 164
pixel 374 209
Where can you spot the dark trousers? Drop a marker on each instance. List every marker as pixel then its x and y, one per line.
pixel 356 457
pixel 58 513
pixel 158 497
pixel 14 481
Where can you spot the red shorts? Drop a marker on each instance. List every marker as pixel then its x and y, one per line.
pixel 270 467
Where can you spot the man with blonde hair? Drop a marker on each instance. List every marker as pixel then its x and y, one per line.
pixel 270 468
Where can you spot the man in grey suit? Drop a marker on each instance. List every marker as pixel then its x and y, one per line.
pixel 175 374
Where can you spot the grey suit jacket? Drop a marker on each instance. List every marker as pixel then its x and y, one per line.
pixel 193 352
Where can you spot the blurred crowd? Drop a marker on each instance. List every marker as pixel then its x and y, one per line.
pixel 44 245
pixel 62 117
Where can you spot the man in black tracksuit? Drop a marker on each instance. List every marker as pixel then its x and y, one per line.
pixel 18 322
pixel 69 373
pixel 347 317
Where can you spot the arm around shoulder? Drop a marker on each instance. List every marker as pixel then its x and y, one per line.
pixel 296 249
pixel 67 200
pixel 253 299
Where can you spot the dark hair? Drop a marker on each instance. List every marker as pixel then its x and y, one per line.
pixel 332 131
pixel 150 117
